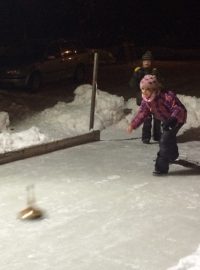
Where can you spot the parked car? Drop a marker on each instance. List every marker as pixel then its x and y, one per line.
pixel 28 65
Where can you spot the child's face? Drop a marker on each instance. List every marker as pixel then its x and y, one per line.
pixel 146 63
pixel 147 92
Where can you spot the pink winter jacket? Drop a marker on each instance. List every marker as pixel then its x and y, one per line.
pixel 165 105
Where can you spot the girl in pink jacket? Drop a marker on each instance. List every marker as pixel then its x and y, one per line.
pixel 165 106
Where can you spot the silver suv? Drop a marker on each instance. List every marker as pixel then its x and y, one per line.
pixel 31 64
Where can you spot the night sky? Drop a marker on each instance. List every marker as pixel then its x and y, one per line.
pixel 103 23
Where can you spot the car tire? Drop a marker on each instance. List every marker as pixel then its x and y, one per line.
pixel 34 82
pixel 80 74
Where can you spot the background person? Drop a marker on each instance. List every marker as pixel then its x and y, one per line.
pixel 138 74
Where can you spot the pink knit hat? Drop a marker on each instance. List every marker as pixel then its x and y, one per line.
pixel 150 82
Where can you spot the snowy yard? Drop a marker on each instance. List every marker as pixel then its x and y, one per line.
pixel 104 210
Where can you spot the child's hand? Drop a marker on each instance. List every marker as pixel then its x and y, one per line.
pixel 129 129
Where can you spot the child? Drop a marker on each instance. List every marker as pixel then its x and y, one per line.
pixel 139 73
pixel 167 107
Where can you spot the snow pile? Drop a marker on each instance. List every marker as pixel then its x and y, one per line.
pixel 62 120
pixel 71 119
pixel 192 105
pixel 4 121
pixel 109 108
pixel 13 141
pixel 191 262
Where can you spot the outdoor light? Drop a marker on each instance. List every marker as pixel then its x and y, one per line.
pixel 13 72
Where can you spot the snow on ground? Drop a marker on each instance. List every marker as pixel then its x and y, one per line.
pixel 64 120
pixel 103 207
pixel 190 262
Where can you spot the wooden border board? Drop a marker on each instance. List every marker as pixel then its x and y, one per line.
pixel 45 148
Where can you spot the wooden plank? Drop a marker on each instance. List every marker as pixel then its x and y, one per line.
pixel 45 148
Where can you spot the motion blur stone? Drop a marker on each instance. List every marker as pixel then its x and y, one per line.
pixel 31 212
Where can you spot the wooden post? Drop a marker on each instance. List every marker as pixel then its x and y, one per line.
pixel 94 88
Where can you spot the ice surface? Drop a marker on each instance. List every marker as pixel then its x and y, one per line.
pixel 104 210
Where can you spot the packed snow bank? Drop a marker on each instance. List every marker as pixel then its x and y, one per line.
pixel 191 262
pixel 64 120
pixel 4 121
pixel 13 141
pixel 192 105
pixel 72 119
pixel 109 108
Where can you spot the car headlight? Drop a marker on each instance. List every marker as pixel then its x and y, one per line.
pixel 13 72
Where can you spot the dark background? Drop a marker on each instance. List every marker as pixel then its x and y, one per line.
pixel 103 23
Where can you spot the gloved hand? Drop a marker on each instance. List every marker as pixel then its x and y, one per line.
pixel 169 124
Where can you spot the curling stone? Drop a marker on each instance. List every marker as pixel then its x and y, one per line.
pixel 30 212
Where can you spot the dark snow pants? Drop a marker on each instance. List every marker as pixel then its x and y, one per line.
pixel 147 126
pixel 168 149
